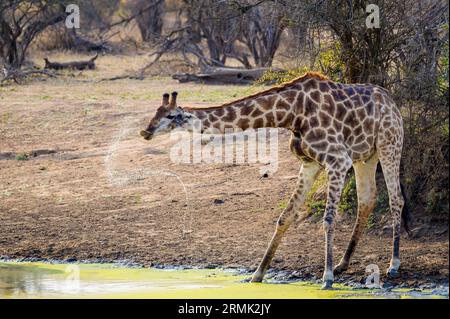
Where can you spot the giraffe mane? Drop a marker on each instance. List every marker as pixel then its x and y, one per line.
pixel 306 76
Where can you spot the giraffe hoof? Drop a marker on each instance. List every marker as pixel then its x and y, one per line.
pixel 256 278
pixel 327 285
pixel 392 273
pixel 340 268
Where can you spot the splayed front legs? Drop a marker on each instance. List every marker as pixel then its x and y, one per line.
pixel 308 174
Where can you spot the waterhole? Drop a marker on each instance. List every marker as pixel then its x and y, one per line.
pixel 48 280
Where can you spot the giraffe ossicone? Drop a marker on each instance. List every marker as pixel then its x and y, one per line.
pixel 334 126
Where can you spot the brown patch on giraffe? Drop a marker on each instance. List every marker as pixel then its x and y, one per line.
pixel 349 105
pixel 361 113
pixel 325 119
pixel 246 109
pixel 256 112
pixel 335 149
pixel 328 105
pixel 332 139
pixel 243 124
pixel 350 119
pixel 359 139
pixel 212 118
pixel 349 91
pixel 280 116
pixel 341 111
pixel 216 125
pixel 346 131
pixel 200 115
pixel 370 108
pixel 337 125
pixel 315 135
pixel 365 98
pixel 269 120
pixel 321 146
pixel 350 139
pixel 357 130
pixel 368 125
pixel 289 96
pixel 259 122
pixel 219 112
pixel 298 106
pixel 205 123
pixel 297 124
pixel 309 107
pixel 361 147
pixel 288 120
pixel 315 96
pixel 231 115
pixel 267 103
pixel 314 122
pixel 338 95
pixel 283 105
pixel 310 85
pixel 324 87
pixel 356 100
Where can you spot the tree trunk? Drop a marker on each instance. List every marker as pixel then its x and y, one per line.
pixel 150 22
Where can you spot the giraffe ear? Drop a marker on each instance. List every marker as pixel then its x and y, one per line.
pixel 165 100
pixel 173 101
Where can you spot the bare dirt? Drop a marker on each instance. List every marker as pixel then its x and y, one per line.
pixel 77 182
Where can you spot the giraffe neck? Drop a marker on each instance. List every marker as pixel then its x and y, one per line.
pixel 272 109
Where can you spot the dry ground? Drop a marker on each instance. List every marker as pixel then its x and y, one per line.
pixel 70 203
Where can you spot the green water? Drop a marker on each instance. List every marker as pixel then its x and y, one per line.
pixel 44 280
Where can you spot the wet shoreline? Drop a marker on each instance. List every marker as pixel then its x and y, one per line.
pixel 273 276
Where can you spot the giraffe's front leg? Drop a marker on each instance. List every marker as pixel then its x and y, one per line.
pixel 308 174
pixel 336 179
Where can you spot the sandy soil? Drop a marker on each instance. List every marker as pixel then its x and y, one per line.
pixel 97 190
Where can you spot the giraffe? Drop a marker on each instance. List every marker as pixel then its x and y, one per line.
pixel 333 126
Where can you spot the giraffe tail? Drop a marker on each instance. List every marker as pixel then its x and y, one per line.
pixel 406 213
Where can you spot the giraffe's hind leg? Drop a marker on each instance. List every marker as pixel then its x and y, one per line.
pixel 308 174
pixel 366 190
pixel 389 147
pixel 390 162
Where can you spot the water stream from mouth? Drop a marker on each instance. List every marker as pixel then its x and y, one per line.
pixel 122 178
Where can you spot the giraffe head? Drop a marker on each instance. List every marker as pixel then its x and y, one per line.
pixel 168 117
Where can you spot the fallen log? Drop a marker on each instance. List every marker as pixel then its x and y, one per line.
pixel 73 65
pixel 18 75
pixel 225 75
